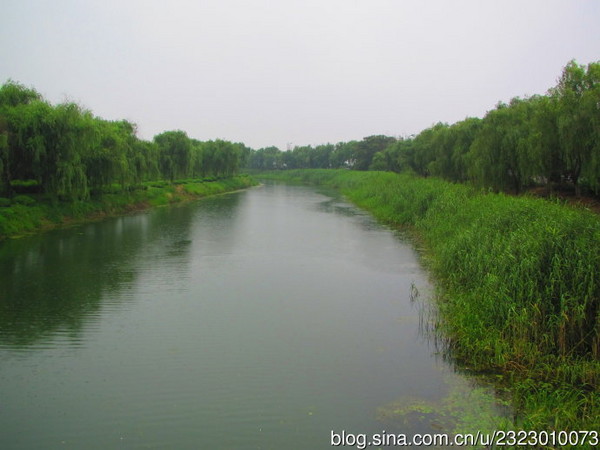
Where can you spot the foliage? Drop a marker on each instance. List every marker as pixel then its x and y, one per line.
pixel 25 214
pixel 174 148
pixel 71 155
pixel 23 200
pixel 342 154
pixel 217 158
pixel 551 141
pixel 368 147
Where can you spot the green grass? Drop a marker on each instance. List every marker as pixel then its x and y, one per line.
pixel 28 214
pixel 518 284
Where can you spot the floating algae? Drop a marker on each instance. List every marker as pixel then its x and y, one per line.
pixel 471 405
pixel 412 412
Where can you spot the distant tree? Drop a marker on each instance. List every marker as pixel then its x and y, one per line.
pixel 379 161
pixel 424 149
pixel 4 177
pixel 25 125
pixel 289 160
pixel 114 156
pixel 366 149
pixel 225 157
pixel 244 154
pixel 439 150
pixel 13 94
pixel 267 158
pixel 343 155
pixel 465 133
pixel 46 143
pixel 389 159
pixel 322 155
pixel 502 151
pixel 302 157
pixel 174 154
pixel 146 160
pixel 68 135
pixel 544 148
pixel 578 95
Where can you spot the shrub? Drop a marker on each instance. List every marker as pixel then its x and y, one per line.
pixel 23 200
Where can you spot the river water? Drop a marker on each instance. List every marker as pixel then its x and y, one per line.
pixel 266 318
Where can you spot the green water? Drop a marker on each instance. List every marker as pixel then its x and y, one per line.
pixel 260 319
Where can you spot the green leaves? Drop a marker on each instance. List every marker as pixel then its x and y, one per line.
pixel 578 121
pixel 13 94
pixel 71 153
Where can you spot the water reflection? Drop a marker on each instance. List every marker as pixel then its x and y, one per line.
pixel 53 282
pixel 262 319
pixel 56 282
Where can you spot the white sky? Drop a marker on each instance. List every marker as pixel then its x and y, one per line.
pixel 292 71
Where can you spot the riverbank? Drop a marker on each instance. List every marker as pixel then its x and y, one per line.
pixel 26 214
pixel 518 285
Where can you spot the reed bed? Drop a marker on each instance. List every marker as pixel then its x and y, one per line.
pixel 518 285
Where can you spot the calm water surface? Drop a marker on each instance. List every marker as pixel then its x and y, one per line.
pixel 260 319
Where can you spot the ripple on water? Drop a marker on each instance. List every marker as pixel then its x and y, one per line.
pixel 263 319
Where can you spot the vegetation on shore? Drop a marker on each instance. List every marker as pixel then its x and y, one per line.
pixel 519 284
pixel 30 213
pixel 519 277
pixel 61 164
pixel 66 153
pixel 548 141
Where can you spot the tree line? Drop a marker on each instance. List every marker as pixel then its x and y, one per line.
pixel 542 140
pixel 68 153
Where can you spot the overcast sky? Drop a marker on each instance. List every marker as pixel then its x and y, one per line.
pixel 292 72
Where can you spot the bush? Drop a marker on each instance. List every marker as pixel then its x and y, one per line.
pixel 26 186
pixel 157 184
pixel 23 200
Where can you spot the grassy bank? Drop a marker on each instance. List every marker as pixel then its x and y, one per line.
pixel 30 213
pixel 519 285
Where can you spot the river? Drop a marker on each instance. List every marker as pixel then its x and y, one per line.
pixel 266 318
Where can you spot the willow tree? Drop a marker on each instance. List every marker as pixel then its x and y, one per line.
pixel 15 101
pixel 25 157
pixel 393 158
pixel 175 153
pixel 266 158
pixel 439 144
pixel 221 158
pixel 112 157
pixel 146 160
pixel 13 94
pixel 4 177
pixel 464 133
pixel 545 143
pixel 424 149
pixel 578 95
pixel 230 157
pixel 500 153
pixel 69 134
pixel 591 106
